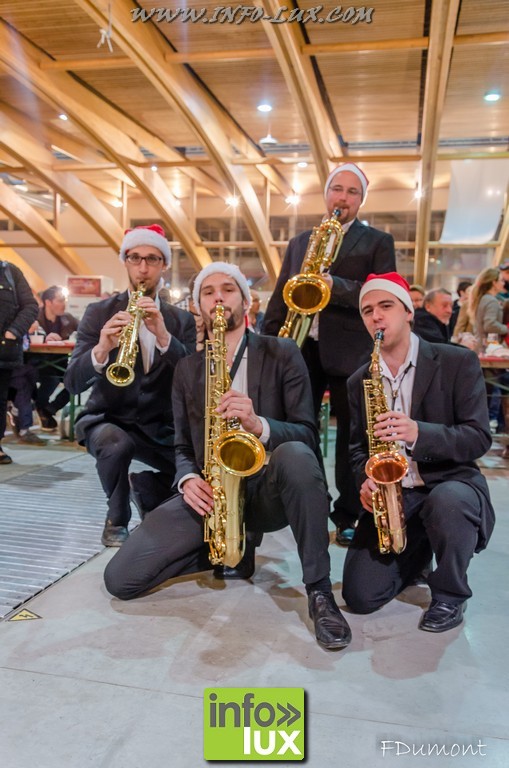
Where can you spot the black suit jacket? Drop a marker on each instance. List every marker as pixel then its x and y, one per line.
pixel 146 402
pixel 344 343
pixel 450 405
pixel 278 385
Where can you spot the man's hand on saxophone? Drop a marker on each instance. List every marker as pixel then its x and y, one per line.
pixel 394 425
pixel 109 335
pixel 235 405
pixel 198 494
pixel 154 321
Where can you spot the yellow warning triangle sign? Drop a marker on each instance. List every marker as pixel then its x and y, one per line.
pixel 24 615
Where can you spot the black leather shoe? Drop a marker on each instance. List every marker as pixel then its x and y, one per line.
pixel 135 496
pixel 243 570
pixel 331 627
pixel 4 458
pixel 442 616
pixel 114 535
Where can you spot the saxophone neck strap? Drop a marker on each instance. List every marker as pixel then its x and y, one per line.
pixel 239 355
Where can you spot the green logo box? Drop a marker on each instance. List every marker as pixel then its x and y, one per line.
pixel 253 724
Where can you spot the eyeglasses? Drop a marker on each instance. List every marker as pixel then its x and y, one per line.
pixel 351 191
pixel 136 259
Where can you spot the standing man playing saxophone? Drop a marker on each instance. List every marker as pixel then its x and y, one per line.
pixel 338 343
pixel 271 397
pixel 439 416
pixel 119 424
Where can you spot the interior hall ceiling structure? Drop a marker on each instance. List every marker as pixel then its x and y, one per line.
pixel 161 105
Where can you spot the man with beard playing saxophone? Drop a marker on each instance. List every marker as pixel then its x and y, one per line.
pixel 270 396
pixel 438 415
pixel 122 423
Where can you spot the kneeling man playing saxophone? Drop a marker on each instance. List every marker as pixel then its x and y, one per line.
pixel 265 392
pixel 128 414
pixel 437 414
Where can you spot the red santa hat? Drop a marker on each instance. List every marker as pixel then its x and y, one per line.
pixel 390 282
pixel 151 235
pixel 353 168
pixel 226 269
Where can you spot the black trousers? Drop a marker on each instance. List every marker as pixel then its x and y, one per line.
pixel 443 522
pixel 5 377
pixel 114 447
pixel 169 542
pixel 47 385
pixel 347 507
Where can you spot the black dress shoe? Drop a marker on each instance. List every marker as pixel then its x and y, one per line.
pixel 442 616
pixel 243 570
pixel 331 627
pixel 135 496
pixel 114 535
pixel 4 458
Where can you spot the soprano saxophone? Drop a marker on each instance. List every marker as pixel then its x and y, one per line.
pixel 121 372
pixel 386 465
pixel 230 456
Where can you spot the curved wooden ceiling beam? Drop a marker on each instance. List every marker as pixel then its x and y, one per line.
pixel 14 139
pixel 441 39
pixel 100 121
pixel 286 40
pixel 41 230
pixel 216 131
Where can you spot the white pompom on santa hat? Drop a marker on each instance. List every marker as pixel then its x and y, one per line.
pixel 153 235
pixel 390 282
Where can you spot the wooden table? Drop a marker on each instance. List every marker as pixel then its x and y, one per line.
pixel 53 358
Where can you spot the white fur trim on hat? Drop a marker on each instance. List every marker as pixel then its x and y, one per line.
pixel 227 269
pixel 353 168
pixel 153 235
pixel 381 284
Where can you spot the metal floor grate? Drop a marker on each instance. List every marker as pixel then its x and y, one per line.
pixel 50 523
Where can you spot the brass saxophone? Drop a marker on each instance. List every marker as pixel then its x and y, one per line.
pixel 121 372
pixel 230 455
pixel 307 293
pixel 386 465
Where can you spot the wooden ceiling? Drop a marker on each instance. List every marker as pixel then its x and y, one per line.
pixel 396 86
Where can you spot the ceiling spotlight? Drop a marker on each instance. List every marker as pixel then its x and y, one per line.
pixel 233 201
pixel 268 139
pixel 264 108
pixel 63 116
pixel 292 200
pixel 117 203
pixel 302 164
pixel 492 96
pixel 154 168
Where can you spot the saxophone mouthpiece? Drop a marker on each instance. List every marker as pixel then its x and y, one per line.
pixel 336 213
pixel 379 335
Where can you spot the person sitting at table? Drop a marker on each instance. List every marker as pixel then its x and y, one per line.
pixel 122 423
pixel 58 325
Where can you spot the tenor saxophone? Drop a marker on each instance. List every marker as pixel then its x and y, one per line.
pixel 386 465
pixel 121 372
pixel 230 456
pixel 307 293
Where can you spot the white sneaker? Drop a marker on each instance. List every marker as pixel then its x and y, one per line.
pixel 493 426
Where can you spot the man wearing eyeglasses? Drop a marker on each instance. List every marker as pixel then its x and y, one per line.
pixel 338 343
pixel 122 423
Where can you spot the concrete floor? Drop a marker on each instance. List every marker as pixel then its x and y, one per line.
pixel 101 683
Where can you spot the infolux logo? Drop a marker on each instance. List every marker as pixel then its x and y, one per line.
pixel 253 724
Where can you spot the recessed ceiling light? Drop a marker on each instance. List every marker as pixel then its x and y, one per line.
pixel 153 168
pixel 492 96
pixel 292 200
pixel 302 164
pixel 233 201
pixel 63 116
pixel 268 139
pixel 264 108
